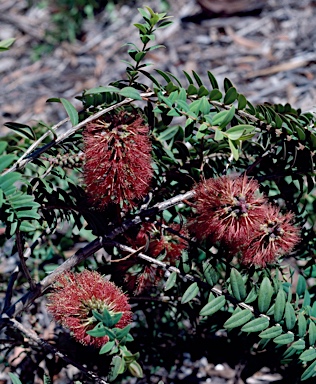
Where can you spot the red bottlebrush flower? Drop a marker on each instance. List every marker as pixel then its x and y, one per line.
pixel 227 209
pixel 118 159
pixel 274 236
pixel 77 294
pixel 161 243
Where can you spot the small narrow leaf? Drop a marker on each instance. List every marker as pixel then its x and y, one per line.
pixel 71 111
pixel 290 318
pixel 265 295
pixel 171 281
pixel 115 368
pixel 286 338
pixel 190 293
pixel 213 306
pixel 131 93
pixel 279 306
pixel 230 96
pixel 14 378
pixel 308 355
pixel 238 319
pixel 312 333
pixel 309 372
pixel 237 285
pixel 298 345
pixel 256 325
pixel 302 325
pixel 301 285
pixel 107 347
pixel 271 332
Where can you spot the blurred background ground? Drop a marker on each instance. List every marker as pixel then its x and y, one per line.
pixel 268 55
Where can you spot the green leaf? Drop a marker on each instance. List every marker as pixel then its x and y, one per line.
pixel 252 296
pixel 213 306
pixel 213 80
pixel 230 96
pixel 14 378
pixel 215 94
pixel 168 133
pixel 190 293
pixel 3 146
pixel 271 332
pixel 122 332
pixel 238 319
pixel 235 132
pixel 312 333
pixel 131 93
pixel 290 318
pixel 224 117
pixel 302 325
pixel 197 79
pixel 242 102
pixel 101 90
pixel 98 331
pixel 227 84
pixel 6 44
pixel 298 345
pixel 256 325
pixel 210 274
pixel 308 355
pixel 279 305
pixel 27 214
pixel 107 347
pixel 135 369
pixel 309 372
pixel 171 281
pixel 71 111
pixel 301 285
pixel 265 295
pixel 6 160
pixel 237 285
pixel 22 129
pixel 7 181
pixel 115 368
pixel 286 338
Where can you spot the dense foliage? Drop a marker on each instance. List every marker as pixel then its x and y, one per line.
pixel 198 204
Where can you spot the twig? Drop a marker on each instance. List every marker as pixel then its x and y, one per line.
pixel 31 156
pixel 42 343
pixel 85 252
pixel 187 276
pixel 19 245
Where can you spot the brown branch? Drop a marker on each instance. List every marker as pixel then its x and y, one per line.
pixel 44 344
pixel 85 252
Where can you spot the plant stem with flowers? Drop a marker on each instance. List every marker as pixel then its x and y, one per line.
pixel 244 260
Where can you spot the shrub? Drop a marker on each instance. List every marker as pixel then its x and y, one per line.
pixel 198 204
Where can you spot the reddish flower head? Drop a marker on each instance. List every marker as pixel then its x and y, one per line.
pixel 118 161
pixel 161 243
pixel 274 236
pixel 77 294
pixel 227 209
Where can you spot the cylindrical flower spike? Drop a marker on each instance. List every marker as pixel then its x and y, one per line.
pixel 227 209
pixel 160 242
pixel 118 159
pixel 74 297
pixel 274 236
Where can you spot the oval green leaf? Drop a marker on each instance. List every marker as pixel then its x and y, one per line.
pixel 271 332
pixel 286 338
pixel 238 319
pixel 71 111
pixel 279 306
pixel 265 295
pixel 256 325
pixel 171 281
pixel 190 293
pixel 237 285
pixel 213 306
